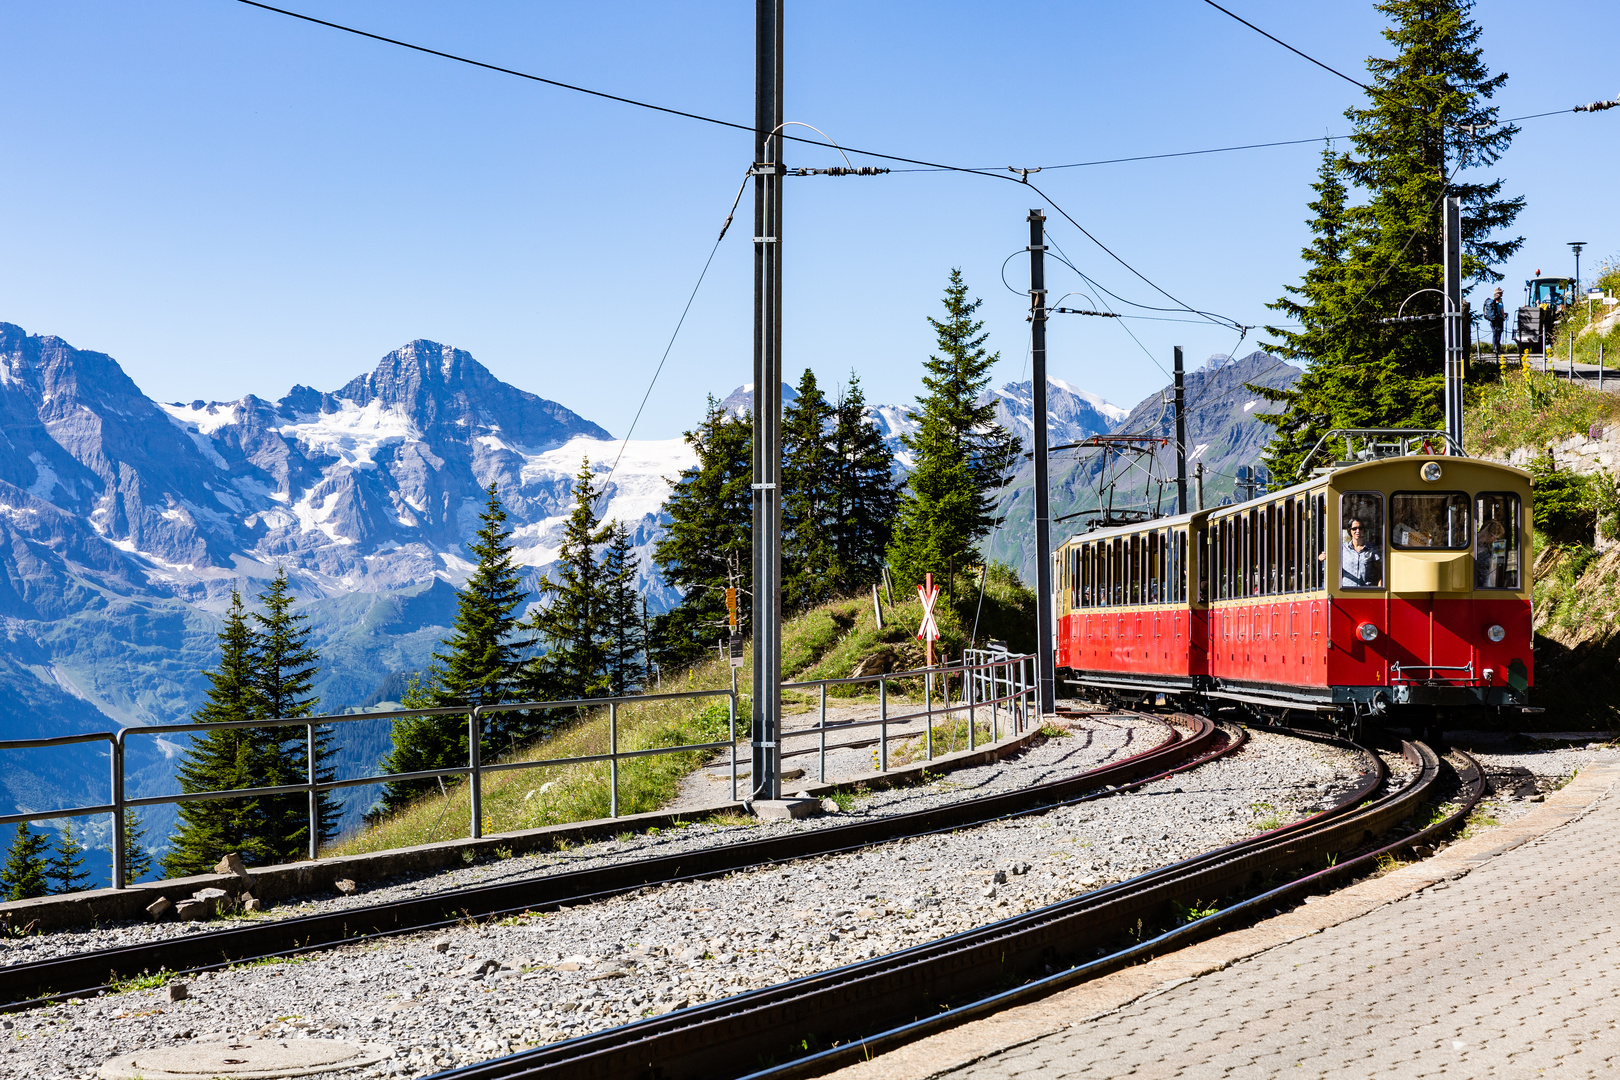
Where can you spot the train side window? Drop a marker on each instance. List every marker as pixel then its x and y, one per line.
pixel 1361 550
pixel 1432 520
pixel 1320 543
pixel 1151 578
pixel 1497 554
pixel 1291 550
pixel 1203 566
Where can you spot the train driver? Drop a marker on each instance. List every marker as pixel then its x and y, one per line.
pixel 1360 564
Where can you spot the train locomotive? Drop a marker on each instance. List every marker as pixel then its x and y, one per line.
pixel 1394 589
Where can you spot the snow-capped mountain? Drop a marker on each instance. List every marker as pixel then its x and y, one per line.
pixel 125 523
pixel 1072 414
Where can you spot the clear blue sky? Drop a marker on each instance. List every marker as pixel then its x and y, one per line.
pixel 230 201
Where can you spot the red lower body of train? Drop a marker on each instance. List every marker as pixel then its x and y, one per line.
pixel 1354 657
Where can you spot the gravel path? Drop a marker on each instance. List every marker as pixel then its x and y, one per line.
pixel 1094 741
pixel 1521 771
pixel 481 991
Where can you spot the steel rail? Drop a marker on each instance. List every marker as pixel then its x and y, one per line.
pixel 27 985
pixel 849 1007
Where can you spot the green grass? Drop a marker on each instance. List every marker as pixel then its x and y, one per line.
pixel 824 643
pixel 146 980
pixel 1528 408
pixel 514 800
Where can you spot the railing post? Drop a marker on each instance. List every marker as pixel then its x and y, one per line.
pixel 474 777
pixel 118 838
pixel 928 712
pixel 732 725
pixel 822 774
pixel 970 690
pixel 314 796
pixel 883 723
pixel 613 759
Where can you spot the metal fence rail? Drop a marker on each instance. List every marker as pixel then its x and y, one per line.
pixel 997 681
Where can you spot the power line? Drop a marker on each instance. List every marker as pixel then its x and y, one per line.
pixel 1290 48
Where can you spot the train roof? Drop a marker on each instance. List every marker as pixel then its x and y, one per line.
pixel 1333 477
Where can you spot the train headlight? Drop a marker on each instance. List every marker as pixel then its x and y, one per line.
pixel 1495 633
pixel 1430 471
pixel 1367 632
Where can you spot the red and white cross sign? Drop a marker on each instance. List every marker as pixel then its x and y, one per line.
pixel 929 630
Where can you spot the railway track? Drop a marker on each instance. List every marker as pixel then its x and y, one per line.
pixel 1189 741
pixel 865 1008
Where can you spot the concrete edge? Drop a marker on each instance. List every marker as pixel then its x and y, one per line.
pixel 316 877
pixel 978 1040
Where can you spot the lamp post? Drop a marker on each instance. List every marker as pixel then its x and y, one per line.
pixel 1576 246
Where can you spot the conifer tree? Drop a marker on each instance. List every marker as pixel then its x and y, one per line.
pixel 961 455
pixel 865 493
pixel 710 512
pixel 623 635
pixel 480 665
pixel 25 872
pixel 570 619
pixel 223 759
pixel 1427 119
pixel 66 867
pixel 137 858
pixel 809 495
pixel 286 667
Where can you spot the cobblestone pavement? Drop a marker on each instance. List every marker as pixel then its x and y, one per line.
pixel 1509 971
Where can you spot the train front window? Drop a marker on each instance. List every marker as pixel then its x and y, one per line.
pixel 1429 520
pixel 1361 551
pixel 1497 553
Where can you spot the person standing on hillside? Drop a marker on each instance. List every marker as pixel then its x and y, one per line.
pixel 1496 313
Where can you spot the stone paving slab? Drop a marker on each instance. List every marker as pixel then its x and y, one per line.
pixel 1497 958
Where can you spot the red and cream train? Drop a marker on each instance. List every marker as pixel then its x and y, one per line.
pixel 1396 588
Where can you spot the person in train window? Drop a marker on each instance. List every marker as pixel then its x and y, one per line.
pixel 1360 565
pixel 1490 555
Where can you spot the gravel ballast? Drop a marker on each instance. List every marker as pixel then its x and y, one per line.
pixel 476 992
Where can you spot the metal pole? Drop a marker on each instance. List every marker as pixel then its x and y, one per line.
pixel 928 712
pixel 119 840
pixel 314 796
pixel 970 689
pixel 474 777
pixel 1452 237
pixel 613 759
pixel 1181 441
pixel 1045 628
pixel 822 775
pixel 767 500
pixel 732 721
pixel 1600 365
pixel 883 725
pixel 1198 485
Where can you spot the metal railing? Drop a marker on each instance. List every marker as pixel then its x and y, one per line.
pixel 313 786
pixel 1003 682
pixel 1000 682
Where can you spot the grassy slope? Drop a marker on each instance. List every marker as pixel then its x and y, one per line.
pixel 1576 591
pixel 826 642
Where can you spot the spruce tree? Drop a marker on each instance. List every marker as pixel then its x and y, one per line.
pixel 137 857
pixel 481 664
pixel 623 635
pixel 224 759
pixel 710 511
pixel 864 493
pixel 961 455
pixel 809 495
pixel 286 669
pixel 66 867
pixel 1427 119
pixel 569 622
pixel 25 873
